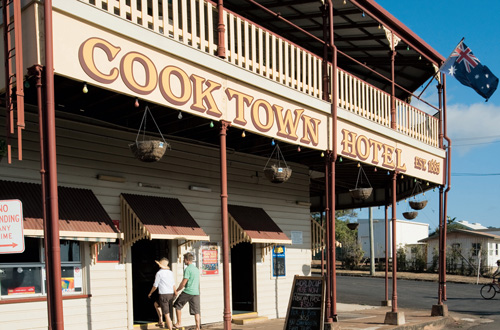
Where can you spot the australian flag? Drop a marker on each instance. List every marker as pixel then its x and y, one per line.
pixel 464 66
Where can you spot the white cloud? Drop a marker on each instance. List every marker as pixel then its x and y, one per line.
pixel 473 126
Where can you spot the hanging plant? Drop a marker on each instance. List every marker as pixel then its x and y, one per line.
pixel 410 215
pixel 359 192
pixel 278 171
pixel 148 150
pixel 352 225
pixel 418 204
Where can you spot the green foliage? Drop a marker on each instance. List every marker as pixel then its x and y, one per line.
pixel 401 258
pixel 352 254
pixel 450 225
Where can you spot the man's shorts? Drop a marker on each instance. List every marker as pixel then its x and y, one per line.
pixel 194 303
pixel 164 300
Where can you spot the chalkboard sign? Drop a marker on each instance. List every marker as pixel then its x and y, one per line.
pixel 306 306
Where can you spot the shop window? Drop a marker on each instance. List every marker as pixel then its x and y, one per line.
pixel 23 274
pixel 109 252
pixel 476 247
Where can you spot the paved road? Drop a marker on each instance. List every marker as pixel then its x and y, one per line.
pixel 462 298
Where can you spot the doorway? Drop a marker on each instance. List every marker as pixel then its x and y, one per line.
pixel 144 268
pixel 242 278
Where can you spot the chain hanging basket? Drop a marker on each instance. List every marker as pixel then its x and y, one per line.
pixel 148 150
pixel 278 171
pixel 418 204
pixel 352 225
pixel 361 193
pixel 410 215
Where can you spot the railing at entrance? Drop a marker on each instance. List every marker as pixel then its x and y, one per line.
pixel 250 46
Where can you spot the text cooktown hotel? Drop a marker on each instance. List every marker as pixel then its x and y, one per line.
pixel 228 88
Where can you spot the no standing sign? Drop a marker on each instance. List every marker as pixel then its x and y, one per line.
pixel 11 226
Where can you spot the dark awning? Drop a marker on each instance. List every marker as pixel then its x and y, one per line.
pixel 81 215
pixel 156 217
pixel 254 225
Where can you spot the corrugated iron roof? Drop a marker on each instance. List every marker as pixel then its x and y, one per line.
pixel 257 224
pixel 164 216
pixel 79 209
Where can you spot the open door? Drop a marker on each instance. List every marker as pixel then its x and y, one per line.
pixel 144 268
pixel 242 278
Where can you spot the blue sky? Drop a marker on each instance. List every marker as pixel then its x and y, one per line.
pixel 473 125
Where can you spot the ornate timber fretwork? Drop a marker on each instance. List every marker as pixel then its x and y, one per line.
pixel 133 228
pixel 392 38
pixel 238 235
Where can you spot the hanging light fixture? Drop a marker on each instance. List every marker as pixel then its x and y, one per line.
pixel 298 148
pixel 85 90
pixel 136 103
pixel 243 134
pixel 179 116
pixel 322 154
pixel 211 124
pixel 272 142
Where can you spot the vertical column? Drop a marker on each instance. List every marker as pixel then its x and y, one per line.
pixel 394 317
pixel 53 263
pixel 225 225
pixel 221 29
pixel 393 86
pixel 328 302
pixel 333 258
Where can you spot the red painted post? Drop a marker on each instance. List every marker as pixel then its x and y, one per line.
pixel 394 252
pixel 328 302
pixel 225 224
pixel 221 31
pixel 393 86
pixel 333 258
pixel 386 253
pixel 441 235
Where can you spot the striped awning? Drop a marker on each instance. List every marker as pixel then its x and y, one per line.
pixel 254 225
pixel 153 217
pixel 81 215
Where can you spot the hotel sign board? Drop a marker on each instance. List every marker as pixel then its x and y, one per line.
pixel 11 226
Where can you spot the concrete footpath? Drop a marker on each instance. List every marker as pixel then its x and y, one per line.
pixel 351 316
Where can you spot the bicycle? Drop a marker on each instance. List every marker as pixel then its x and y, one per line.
pixel 488 291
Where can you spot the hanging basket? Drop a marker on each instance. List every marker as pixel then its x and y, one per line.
pixel 410 215
pixel 352 225
pixel 361 193
pixel 278 171
pixel 148 150
pixel 277 174
pixel 418 205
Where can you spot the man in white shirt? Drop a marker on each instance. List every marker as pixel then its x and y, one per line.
pixel 164 282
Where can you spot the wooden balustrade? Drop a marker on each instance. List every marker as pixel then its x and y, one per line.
pixel 250 46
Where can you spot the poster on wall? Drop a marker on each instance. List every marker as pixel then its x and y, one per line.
pixel 209 258
pixel 279 268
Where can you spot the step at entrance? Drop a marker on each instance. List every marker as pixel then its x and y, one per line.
pixel 248 318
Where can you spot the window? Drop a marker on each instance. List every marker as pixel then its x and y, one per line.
pixel 496 249
pixel 109 252
pixel 23 274
pixel 476 247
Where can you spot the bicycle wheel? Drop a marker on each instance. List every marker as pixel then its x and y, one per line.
pixel 488 291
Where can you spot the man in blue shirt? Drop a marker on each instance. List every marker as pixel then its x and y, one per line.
pixel 191 285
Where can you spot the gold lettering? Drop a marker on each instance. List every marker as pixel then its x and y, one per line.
pixel 241 100
pixel 287 122
pixel 201 95
pixel 387 156
pixel 166 86
pixel 127 73
pixel 348 143
pixel 310 130
pixel 362 140
pixel 255 114
pixel 86 57
pixel 399 166
pixel 377 146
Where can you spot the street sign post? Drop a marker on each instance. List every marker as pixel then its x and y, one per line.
pixel 11 226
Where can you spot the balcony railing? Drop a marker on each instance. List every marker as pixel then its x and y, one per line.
pixel 250 46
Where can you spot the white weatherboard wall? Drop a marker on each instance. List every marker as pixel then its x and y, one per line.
pixel 84 151
pixel 407 232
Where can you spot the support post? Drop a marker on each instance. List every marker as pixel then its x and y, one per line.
pixel 225 224
pixel 386 302
pixel 53 263
pixel 221 31
pixel 394 317
pixel 328 302
pixel 372 243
